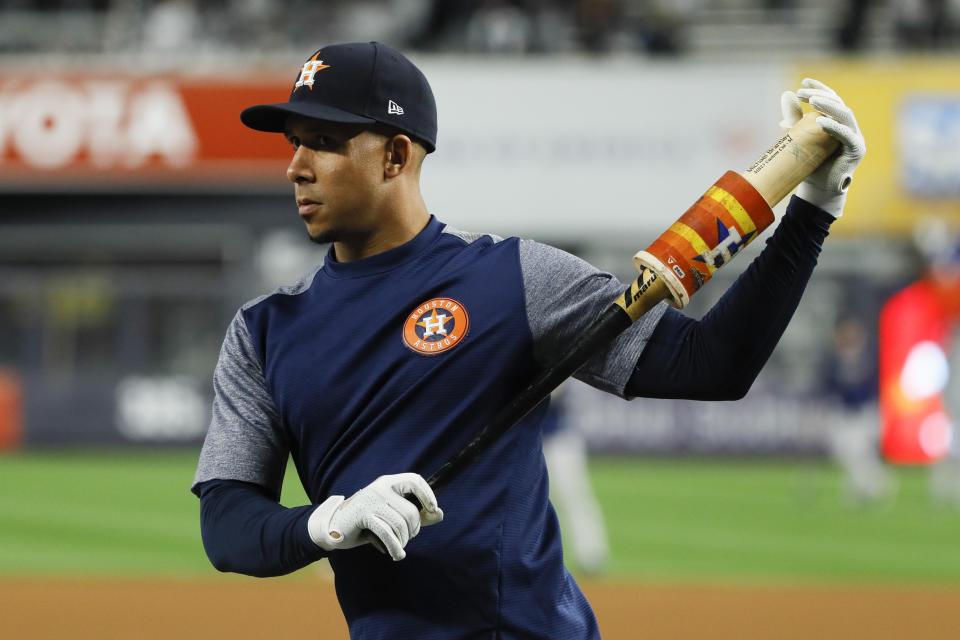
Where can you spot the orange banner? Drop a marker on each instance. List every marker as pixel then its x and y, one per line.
pixel 141 129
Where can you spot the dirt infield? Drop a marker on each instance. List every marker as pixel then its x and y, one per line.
pixel 298 607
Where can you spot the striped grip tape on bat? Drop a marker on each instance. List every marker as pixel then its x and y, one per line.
pixel 732 213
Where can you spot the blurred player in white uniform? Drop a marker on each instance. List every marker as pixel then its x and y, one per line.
pixel 565 450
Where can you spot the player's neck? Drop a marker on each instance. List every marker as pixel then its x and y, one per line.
pixel 397 227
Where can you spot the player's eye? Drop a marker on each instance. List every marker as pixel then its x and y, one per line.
pixel 312 141
pixel 320 141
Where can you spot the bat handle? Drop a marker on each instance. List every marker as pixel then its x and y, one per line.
pixel 368 535
pixel 642 295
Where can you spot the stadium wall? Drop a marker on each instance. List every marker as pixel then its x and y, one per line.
pixel 580 152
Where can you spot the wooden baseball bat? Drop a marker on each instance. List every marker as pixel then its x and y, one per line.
pixel 733 212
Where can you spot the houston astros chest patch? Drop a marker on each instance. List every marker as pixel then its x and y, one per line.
pixel 436 326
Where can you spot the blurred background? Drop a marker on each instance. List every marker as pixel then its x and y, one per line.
pixel 137 214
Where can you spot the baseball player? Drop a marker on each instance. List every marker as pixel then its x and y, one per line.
pixel 581 519
pixel 384 360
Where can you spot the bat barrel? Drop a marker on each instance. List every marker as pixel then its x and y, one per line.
pixel 791 159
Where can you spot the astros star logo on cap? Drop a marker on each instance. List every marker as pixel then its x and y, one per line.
pixel 436 326
pixel 307 71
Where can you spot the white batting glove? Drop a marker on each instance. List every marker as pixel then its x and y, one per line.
pixel 378 514
pixel 827 186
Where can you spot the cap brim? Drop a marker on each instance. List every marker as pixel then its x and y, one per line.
pixel 273 117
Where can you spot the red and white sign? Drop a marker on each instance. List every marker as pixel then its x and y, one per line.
pixel 135 129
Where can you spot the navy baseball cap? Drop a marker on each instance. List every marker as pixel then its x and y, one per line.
pixel 359 83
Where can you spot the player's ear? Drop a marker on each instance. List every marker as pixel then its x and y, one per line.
pixel 398 155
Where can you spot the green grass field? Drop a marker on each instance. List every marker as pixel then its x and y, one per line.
pixel 130 513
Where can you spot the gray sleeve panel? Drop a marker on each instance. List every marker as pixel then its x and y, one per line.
pixel 564 294
pixel 245 440
pixel 469 236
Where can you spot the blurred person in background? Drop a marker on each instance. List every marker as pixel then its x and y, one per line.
pixel 446 24
pixel 552 26
pixel 565 450
pixel 664 26
pixel 945 476
pixel 917 24
pixel 499 26
pixel 850 380
pixel 599 23
pixel 850 32
pixel 170 25
pixel 925 24
pixel 940 245
pixel 511 27
pixel 918 364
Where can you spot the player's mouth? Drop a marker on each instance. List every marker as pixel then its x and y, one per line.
pixel 306 206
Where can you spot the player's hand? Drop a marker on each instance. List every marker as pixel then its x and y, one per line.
pixel 827 186
pixel 378 514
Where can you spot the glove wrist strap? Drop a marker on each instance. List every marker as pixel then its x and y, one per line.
pixel 318 524
pixel 830 201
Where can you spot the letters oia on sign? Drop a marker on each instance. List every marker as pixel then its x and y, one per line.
pixel 99 124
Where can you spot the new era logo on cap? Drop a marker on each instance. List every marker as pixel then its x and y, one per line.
pixel 356 83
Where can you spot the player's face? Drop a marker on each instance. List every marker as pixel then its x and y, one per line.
pixel 337 173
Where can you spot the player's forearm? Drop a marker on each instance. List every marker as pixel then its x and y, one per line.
pixel 244 531
pixel 719 357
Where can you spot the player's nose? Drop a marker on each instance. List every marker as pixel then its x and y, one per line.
pixel 299 169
